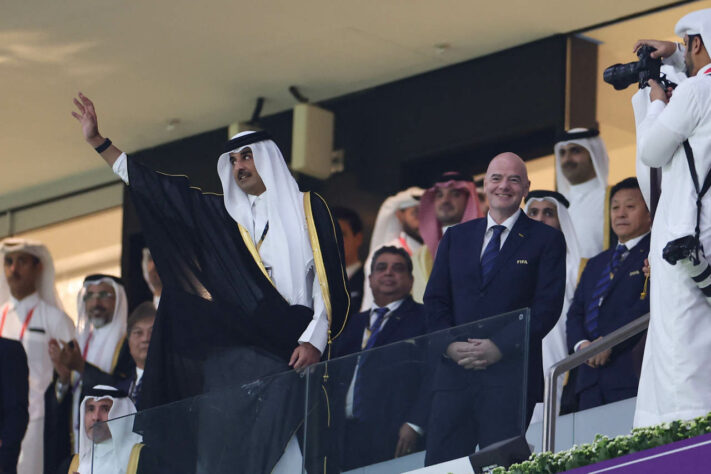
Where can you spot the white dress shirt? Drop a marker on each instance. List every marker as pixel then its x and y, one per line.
pixel 366 333
pixel 490 222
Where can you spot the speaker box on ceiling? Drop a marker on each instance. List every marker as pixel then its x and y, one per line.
pixel 312 141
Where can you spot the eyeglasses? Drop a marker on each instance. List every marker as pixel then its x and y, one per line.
pixel 101 295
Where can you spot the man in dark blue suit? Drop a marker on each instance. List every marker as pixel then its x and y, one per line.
pixel 612 292
pixel 352 230
pixel 14 391
pixel 384 414
pixel 483 268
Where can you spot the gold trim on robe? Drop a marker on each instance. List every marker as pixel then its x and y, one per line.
pixel 117 352
pixel 253 250
pixel 319 265
pixel 132 467
pixel 318 258
pixel 581 267
pixel 74 465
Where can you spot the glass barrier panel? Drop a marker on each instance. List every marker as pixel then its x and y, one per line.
pixel 385 404
pixel 447 392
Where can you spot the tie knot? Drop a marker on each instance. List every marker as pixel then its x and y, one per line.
pixel 380 312
pixel 498 229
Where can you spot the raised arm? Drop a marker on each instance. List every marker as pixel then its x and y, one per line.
pixel 86 116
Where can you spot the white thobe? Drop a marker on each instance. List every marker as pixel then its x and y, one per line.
pixel 587 211
pixel 47 322
pixel 404 241
pixel 103 460
pixel 100 352
pixel 554 346
pixel 316 333
pixel 676 371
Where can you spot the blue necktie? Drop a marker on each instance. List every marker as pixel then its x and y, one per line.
pixel 374 330
pixel 136 391
pixel 492 251
pixel 601 289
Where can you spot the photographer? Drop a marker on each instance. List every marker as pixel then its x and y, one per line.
pixel 676 371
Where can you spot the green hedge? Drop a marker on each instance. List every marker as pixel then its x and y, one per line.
pixel 604 448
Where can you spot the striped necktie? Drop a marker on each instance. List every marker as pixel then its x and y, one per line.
pixel 136 391
pixel 374 328
pixel 601 289
pixel 373 332
pixel 492 251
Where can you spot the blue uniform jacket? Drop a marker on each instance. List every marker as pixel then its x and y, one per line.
pixel 622 305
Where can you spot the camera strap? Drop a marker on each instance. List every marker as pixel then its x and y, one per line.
pixel 700 192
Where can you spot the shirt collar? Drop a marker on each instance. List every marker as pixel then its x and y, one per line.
pixel 26 303
pixel 703 69
pixel 632 243
pixel 392 306
pixel 508 223
pixel 252 198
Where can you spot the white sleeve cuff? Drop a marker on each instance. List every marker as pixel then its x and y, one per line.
pixel 120 167
pixel 316 333
pixel 417 429
pixel 577 345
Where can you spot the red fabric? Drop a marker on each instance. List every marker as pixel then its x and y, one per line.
pixel 430 228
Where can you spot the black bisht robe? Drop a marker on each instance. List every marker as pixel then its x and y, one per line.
pixel 221 326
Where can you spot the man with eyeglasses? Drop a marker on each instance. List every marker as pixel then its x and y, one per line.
pixel 31 313
pixel 102 309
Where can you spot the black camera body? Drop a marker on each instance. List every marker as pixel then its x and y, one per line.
pixel 622 75
pixel 679 249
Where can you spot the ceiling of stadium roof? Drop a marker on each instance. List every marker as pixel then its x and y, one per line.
pixel 201 65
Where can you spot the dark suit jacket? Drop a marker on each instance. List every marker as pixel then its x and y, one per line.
pixel 355 288
pixel 14 391
pixel 622 305
pixel 529 272
pixel 120 377
pixel 391 379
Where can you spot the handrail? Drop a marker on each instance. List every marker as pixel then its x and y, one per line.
pixel 550 398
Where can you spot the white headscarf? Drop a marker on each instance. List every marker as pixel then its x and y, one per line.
pixel 288 237
pixel 572 253
pixel 122 436
pixel 104 340
pixel 598 154
pixel 695 23
pixel 45 285
pixel 387 226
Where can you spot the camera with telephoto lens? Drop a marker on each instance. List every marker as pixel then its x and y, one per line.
pixel 679 249
pixel 622 75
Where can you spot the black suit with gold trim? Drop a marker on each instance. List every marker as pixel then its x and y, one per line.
pixel 221 323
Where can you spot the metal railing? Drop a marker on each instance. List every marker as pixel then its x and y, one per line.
pixel 550 397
